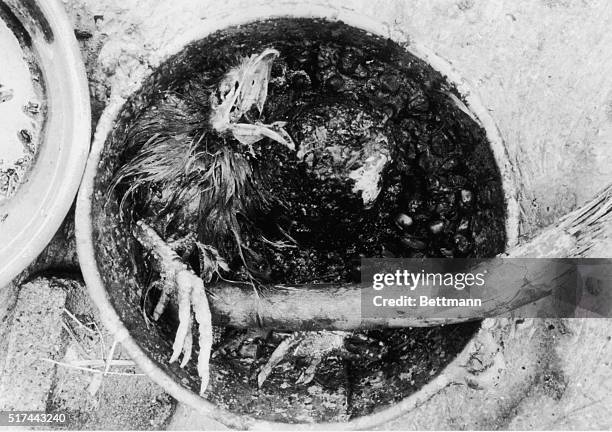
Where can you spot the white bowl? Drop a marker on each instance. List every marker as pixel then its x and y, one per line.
pixel 86 246
pixel 33 215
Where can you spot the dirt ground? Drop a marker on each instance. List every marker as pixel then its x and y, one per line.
pixel 543 70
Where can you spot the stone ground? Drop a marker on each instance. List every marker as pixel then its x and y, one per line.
pixel 544 71
pixel 50 322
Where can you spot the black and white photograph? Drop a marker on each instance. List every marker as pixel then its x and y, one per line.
pixel 305 215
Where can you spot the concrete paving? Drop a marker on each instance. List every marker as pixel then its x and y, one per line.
pixel 34 339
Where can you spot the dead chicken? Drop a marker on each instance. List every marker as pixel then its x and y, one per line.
pixel 210 182
pixel 212 186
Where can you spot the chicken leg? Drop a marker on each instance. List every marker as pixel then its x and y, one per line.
pixel 179 280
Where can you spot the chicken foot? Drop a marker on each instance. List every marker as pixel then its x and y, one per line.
pixel 178 279
pixel 316 346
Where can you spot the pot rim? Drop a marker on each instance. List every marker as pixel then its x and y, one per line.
pixel 40 205
pixel 84 228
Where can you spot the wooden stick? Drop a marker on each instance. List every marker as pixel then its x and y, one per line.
pixel 327 307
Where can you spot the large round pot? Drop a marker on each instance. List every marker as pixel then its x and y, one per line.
pixel 89 198
pixel 31 217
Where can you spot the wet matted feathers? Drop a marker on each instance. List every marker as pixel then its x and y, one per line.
pixel 175 114
pixel 209 186
pixel 231 198
pixel 163 163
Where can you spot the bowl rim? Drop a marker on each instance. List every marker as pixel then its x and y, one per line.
pixel 84 227
pixel 40 205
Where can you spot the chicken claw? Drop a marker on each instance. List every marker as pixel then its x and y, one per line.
pixel 204 318
pixel 313 345
pixel 180 280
